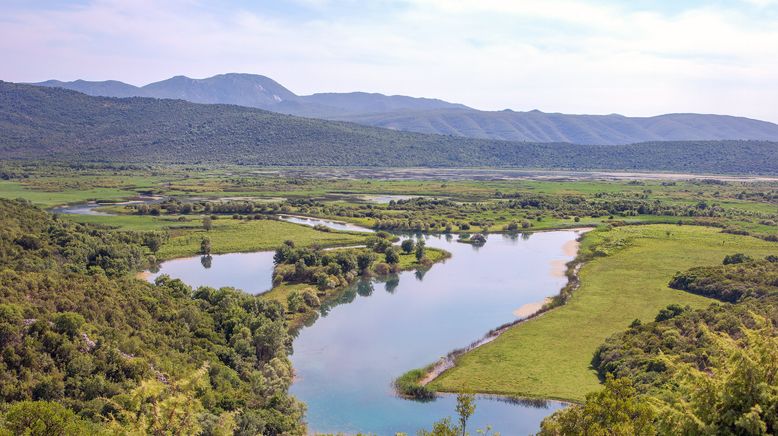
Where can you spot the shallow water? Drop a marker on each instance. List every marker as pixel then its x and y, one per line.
pixel 385 199
pixel 81 209
pixel 335 225
pixel 346 360
pixel 251 272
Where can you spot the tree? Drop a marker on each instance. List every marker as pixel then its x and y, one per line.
pixel 364 260
pixel 207 223
pixel 68 323
pixel 43 418
pixel 420 252
pixel 465 409
pixel 407 246
pixel 614 410
pixel 295 302
pixel 736 258
pixel 392 258
pixel 153 241
pixel 205 246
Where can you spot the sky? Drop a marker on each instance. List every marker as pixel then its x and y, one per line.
pixel 636 58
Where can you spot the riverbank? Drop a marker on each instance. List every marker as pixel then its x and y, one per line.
pixel 626 279
pixel 414 383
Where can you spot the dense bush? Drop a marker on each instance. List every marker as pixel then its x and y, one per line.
pixel 77 330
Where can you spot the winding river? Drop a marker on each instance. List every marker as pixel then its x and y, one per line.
pixel 346 360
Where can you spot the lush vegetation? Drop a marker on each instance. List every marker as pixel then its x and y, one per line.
pixel 705 371
pixel 86 346
pixel 625 278
pixel 305 277
pixel 57 124
pixel 195 354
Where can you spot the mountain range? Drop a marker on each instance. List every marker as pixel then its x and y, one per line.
pixel 424 115
pixel 53 124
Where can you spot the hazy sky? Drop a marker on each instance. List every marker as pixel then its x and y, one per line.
pixel 634 57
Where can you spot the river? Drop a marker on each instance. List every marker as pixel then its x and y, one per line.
pixel 346 360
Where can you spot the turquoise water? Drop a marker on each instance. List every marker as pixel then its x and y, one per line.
pixel 376 330
pixel 345 362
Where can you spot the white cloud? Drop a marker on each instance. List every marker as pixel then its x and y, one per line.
pixel 555 55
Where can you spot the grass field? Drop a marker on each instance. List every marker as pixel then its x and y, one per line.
pixel 231 236
pixel 45 198
pixel 550 356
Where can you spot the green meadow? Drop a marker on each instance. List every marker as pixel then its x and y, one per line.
pixel 231 236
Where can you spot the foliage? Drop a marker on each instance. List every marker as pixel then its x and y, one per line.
pixel 731 282
pixel 105 345
pixel 614 410
pixel 44 418
pixel 708 371
pixel 409 385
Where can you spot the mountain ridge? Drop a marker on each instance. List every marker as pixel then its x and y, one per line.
pixel 53 124
pixel 434 116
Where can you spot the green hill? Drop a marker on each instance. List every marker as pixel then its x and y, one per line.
pixel 57 124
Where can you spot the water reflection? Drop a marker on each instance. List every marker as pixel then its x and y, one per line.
pixel 363 339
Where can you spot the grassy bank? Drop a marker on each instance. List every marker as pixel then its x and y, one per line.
pixel 231 236
pixel 550 356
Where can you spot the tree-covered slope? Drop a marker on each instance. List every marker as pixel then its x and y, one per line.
pixel 81 338
pixel 57 124
pixel 432 116
pixel 579 129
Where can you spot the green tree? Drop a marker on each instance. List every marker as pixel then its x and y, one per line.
pixel 614 410
pixel 364 260
pixel 43 418
pixel 392 258
pixel 420 252
pixel 68 323
pixel 205 246
pixel 207 223
pixel 407 246
pixel 295 302
pixel 465 409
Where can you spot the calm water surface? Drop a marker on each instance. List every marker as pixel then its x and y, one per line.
pixel 335 225
pixel 345 362
pixel 251 272
pixel 81 209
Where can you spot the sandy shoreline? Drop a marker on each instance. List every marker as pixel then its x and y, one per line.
pixel 143 275
pixel 530 308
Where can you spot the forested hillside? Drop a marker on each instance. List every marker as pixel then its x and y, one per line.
pixel 432 116
pixel 57 124
pixel 86 348
pixel 710 371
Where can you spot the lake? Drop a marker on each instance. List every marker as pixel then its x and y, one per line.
pixel 377 329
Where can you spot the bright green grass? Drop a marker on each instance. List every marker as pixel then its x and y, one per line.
pixel 550 356
pixel 135 222
pixel 13 190
pixel 230 236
